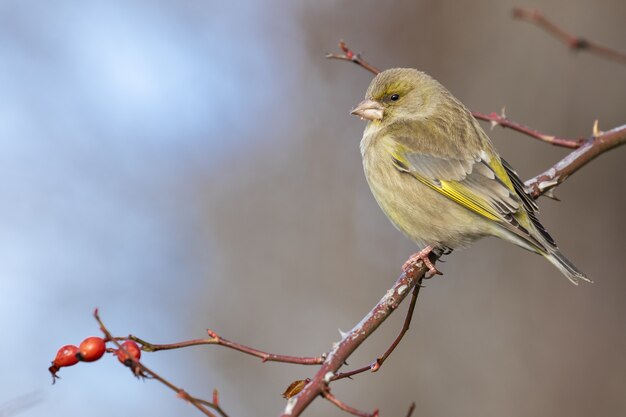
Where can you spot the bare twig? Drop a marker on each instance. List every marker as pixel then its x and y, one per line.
pixel 380 360
pixel 353 339
pixel 501 120
pixel 575 43
pixel 215 339
pixel 142 370
pixel 405 328
pixel 599 143
pixel 350 55
pixel 345 407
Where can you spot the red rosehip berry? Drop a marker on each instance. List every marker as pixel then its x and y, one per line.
pixel 133 350
pixel 66 356
pixel 91 349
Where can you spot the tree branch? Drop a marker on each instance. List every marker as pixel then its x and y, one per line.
pixel 215 339
pixel 374 367
pixel 496 119
pixel 349 55
pixel 141 370
pixel 345 407
pixel 353 339
pixel 575 43
pixel 596 145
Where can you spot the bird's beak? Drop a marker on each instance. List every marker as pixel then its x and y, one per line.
pixel 369 109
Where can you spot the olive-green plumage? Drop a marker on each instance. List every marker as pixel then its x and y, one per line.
pixel 436 175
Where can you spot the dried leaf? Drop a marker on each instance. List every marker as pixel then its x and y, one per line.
pixel 295 387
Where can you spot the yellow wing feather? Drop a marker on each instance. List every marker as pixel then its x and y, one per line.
pixel 461 193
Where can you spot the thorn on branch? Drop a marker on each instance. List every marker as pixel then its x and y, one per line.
pixel 595 131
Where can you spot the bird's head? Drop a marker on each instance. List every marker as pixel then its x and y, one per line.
pixel 399 93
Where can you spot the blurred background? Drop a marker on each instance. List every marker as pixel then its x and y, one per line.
pixel 188 164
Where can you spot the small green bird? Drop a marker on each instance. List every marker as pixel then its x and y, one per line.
pixel 437 176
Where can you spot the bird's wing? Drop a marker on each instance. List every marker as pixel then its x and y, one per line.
pixel 529 203
pixel 482 184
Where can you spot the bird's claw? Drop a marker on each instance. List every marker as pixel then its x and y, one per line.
pixel 423 256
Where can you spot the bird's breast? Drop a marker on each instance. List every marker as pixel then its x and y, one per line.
pixel 421 213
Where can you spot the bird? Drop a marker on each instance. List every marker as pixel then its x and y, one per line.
pixel 437 176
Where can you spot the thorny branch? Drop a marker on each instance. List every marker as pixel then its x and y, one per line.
pixel 141 370
pixel 410 280
pixel 575 43
pixel 352 340
pixel 215 339
pixel 349 55
pixel 345 407
pixel 496 119
pixel 379 361
pixel 597 144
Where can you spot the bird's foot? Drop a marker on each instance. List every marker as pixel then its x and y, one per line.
pixel 424 256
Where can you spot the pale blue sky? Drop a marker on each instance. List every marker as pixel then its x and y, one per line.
pixel 106 109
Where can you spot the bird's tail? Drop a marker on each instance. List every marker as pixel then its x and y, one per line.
pixel 564 265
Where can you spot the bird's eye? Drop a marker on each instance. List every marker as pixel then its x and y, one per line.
pixel 394 97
